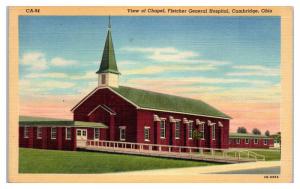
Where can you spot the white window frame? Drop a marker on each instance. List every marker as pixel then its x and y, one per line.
pixel 247 140
pixel 213 131
pixel 190 130
pixel 177 130
pixel 147 133
pixel 26 132
pixel 202 130
pixel 238 141
pixel 66 133
pixel 255 141
pixel 121 136
pixel 52 132
pixel 266 141
pixel 96 129
pixel 162 128
pixel 39 133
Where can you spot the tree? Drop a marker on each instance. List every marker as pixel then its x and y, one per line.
pixel 197 135
pixel 277 138
pixel 256 131
pixel 241 130
pixel 267 133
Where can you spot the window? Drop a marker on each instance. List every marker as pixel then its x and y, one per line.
pixel 78 132
pixel 255 141
pixel 213 131
pixel 147 134
pixel 190 127
pixel 38 132
pixel 83 133
pixel 162 129
pixel 202 129
pixel 103 79
pixel 238 141
pixel 26 132
pixel 53 133
pixel 96 133
pixel 122 134
pixel 177 130
pixel 247 141
pixel 265 141
pixel 68 133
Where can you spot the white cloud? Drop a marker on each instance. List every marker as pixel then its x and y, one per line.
pixel 87 75
pixel 58 61
pixel 254 70
pixel 47 75
pixel 36 60
pixel 165 54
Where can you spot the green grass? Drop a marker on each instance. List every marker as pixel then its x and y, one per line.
pixel 270 155
pixel 54 161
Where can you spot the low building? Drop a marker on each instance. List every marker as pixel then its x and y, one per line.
pixel 246 140
pixel 47 133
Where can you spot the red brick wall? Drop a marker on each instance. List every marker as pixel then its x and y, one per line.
pixel 145 118
pixel 233 143
pixel 125 113
pixel 46 142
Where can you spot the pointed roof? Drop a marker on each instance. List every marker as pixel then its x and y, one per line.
pixel 108 62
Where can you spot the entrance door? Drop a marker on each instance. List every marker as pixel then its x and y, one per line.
pixel 81 137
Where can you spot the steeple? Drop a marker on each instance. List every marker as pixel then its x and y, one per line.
pixel 108 71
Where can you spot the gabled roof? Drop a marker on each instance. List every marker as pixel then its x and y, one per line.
pixel 246 135
pixel 45 122
pixel 165 102
pixel 108 62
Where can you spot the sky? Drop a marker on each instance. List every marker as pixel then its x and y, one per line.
pixel 232 63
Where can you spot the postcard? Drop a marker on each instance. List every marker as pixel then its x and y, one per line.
pixel 150 94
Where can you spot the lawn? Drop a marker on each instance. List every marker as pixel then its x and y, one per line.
pixel 270 155
pixel 55 161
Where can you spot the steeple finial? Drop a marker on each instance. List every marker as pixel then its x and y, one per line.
pixel 109 25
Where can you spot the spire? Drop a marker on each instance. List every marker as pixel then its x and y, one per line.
pixel 108 62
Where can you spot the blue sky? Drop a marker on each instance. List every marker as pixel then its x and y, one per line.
pixel 237 40
pixel 217 59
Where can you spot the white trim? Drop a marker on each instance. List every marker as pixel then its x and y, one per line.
pixel 37 133
pixel 246 140
pixel 156 117
pixel 169 111
pixel 198 122
pixel 27 132
pixel 255 140
pixel 238 139
pixel 220 124
pixel 213 131
pixel 122 128
pixel 164 128
pixel 189 130
pixel 178 130
pixel 98 88
pixel 147 128
pixel 100 105
pixel 98 134
pixel 94 91
pixel 66 133
pixel 266 143
pixel 55 133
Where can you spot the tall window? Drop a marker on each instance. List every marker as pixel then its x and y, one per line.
pixel 265 141
pixel 238 141
pixel 26 132
pixel 190 127
pixel 122 134
pixel 103 79
pixel 202 129
pixel 247 141
pixel 96 133
pixel 38 132
pixel 255 141
pixel 68 133
pixel 162 129
pixel 213 128
pixel 177 130
pixel 147 134
pixel 53 133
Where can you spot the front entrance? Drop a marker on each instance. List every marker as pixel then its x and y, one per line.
pixel 81 137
